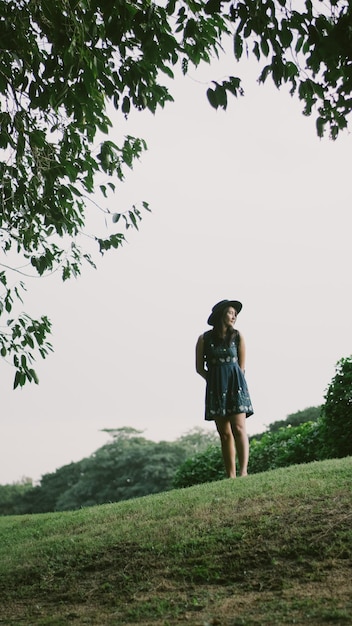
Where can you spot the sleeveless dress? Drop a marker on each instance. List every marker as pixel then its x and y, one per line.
pixel 226 391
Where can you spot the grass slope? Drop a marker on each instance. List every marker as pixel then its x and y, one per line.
pixel 272 548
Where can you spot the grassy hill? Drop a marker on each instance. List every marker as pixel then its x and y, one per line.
pixel 272 548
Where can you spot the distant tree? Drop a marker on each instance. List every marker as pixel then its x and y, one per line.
pixel 197 440
pixel 311 414
pixel 12 495
pixel 63 62
pixel 122 433
pixel 337 412
pixel 128 467
pixel 124 469
pixel 43 497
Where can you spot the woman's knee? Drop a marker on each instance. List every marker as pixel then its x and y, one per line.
pixel 238 425
pixel 226 437
pixel 225 432
pixel 238 430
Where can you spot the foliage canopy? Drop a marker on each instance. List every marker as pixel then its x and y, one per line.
pixel 128 467
pixel 337 411
pixel 62 63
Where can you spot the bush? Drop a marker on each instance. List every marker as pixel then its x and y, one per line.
pixel 337 412
pixel 204 467
pixel 287 446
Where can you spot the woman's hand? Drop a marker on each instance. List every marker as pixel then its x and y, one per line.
pixel 200 358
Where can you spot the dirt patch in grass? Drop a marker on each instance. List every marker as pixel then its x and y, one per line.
pixel 200 605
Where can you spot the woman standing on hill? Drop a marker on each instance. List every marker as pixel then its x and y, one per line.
pixel 220 360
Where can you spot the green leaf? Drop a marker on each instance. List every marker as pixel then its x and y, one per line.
pixel 126 105
pixel 16 380
pixel 291 69
pixel 212 7
pixel 221 96
pixel 238 46
pixel 264 47
pixel 20 147
pixel 170 7
pixel 211 95
pixel 133 219
pixel 233 85
pixel 37 138
pixel 320 124
pixel 167 70
pixel 34 376
pixel 299 43
pixel 285 36
pixel 256 50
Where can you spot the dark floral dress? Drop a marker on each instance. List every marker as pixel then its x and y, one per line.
pixel 226 391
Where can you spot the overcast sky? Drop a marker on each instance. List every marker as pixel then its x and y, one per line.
pixel 246 204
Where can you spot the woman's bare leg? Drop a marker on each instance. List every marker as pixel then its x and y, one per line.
pixel 238 423
pixel 227 446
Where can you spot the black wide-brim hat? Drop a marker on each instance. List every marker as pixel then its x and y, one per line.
pixel 220 306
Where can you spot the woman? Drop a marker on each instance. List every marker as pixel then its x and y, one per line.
pixel 220 360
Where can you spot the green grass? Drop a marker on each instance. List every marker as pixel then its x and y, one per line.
pixel 272 548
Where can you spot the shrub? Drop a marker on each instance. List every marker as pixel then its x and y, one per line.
pixel 337 412
pixel 204 467
pixel 287 446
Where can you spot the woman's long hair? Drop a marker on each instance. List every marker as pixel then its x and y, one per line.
pixel 231 333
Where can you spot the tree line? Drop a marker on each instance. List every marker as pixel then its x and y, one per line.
pixel 127 467
pixel 131 466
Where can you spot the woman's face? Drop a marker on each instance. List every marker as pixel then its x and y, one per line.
pixel 230 316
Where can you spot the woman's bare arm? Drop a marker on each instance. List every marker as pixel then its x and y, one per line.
pixel 241 352
pixel 200 358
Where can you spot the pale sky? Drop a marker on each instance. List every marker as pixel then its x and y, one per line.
pixel 247 204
